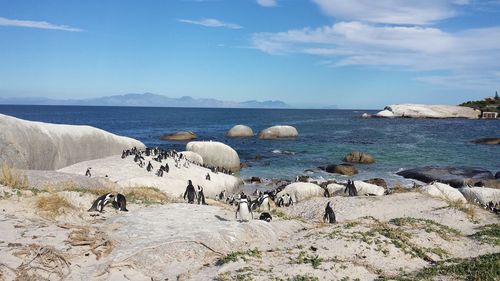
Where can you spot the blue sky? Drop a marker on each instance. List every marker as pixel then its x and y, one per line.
pixel 308 53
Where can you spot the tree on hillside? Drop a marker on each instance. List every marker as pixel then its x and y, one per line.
pixel 496 96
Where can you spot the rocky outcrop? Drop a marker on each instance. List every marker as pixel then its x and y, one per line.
pixel 240 131
pixel 481 195
pixel 335 189
pixel 193 157
pixel 454 176
pixel 300 191
pixel 277 132
pixel 216 154
pixel 487 141
pixel 179 136
pixel 443 191
pixel 44 146
pixel 428 111
pixel 343 169
pixel 359 157
pixel 364 188
pixel 377 181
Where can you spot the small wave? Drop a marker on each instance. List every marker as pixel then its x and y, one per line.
pixel 286 152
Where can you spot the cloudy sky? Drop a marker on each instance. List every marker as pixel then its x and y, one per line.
pixel 309 53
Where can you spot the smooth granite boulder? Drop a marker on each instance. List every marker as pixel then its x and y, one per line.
pixel 179 136
pixel 428 111
pixel 359 157
pixel 193 157
pixel 240 131
pixel 45 146
pixel 343 169
pixel 454 176
pixel 277 132
pixel 364 188
pixel 377 181
pixel 481 195
pixel 216 154
pixel 300 191
pixel 443 191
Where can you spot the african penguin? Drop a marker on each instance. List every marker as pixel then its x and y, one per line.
pixel 87 173
pixel 329 214
pixel 100 202
pixel 201 196
pixel 265 217
pixel 190 192
pixel 120 202
pixel 243 210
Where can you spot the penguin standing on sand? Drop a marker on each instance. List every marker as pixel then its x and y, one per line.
pixel 329 214
pixel 149 167
pixel 120 202
pixel 190 192
pixel 351 188
pixel 87 173
pixel 243 210
pixel 201 196
pixel 207 177
pixel 101 202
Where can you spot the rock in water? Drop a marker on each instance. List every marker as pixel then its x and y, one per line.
pixel 428 111
pixel 179 136
pixel 216 154
pixel 343 169
pixel 454 176
pixel 277 132
pixel 359 157
pixel 240 131
pixel 487 141
pixel 45 146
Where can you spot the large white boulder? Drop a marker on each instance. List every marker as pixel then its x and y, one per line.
pixel 193 157
pixel 428 111
pixel 45 146
pixel 276 132
pixel 300 191
pixel 365 188
pixel 335 189
pixel 443 191
pixel 240 131
pixel 481 195
pixel 216 154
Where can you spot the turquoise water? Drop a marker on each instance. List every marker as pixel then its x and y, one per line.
pixel 325 136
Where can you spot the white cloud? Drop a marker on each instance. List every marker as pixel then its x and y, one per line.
pixel 211 23
pixel 36 24
pixel 472 53
pixel 417 12
pixel 267 3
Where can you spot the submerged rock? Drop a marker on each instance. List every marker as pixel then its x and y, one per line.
pixel 428 111
pixel 343 169
pixel 487 141
pixel 240 131
pixel 216 154
pixel 45 146
pixel 359 157
pixel 179 136
pixel 454 176
pixel 276 132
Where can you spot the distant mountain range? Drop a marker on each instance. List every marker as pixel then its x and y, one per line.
pixel 147 99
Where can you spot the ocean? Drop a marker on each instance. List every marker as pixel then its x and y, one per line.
pixel 325 136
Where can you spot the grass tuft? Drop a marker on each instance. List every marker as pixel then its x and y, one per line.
pixel 235 256
pixel 52 205
pixel 12 178
pixel 489 234
pixel 146 195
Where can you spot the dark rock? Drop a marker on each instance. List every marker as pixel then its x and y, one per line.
pixel 303 178
pixel 487 141
pixel 343 169
pixel 243 165
pixel 377 181
pixel 497 175
pixel 255 179
pixel 258 157
pixel 454 176
pixel 179 136
pixel 359 157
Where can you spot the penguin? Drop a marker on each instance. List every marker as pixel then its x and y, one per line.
pixel 222 195
pixel 329 214
pixel 160 172
pixel 190 192
pixel 351 188
pixel 124 154
pixel 87 173
pixel 265 217
pixel 243 210
pixel 207 177
pixel 201 196
pixel 167 168
pixel 120 202
pixel 100 202
pixel 149 167
pixel 264 202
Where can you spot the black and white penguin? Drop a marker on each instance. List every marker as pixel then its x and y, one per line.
pixel 87 173
pixel 329 214
pixel 243 210
pixel 124 154
pixel 190 192
pixel 201 196
pixel 149 167
pixel 264 202
pixel 167 168
pixel 207 177
pixel 351 188
pixel 120 202
pixel 265 217
pixel 100 202
pixel 160 172
pixel 221 195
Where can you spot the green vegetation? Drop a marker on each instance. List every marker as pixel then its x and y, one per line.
pixel 235 256
pixel 489 234
pixel 303 278
pixel 303 257
pixel 445 232
pixel 491 105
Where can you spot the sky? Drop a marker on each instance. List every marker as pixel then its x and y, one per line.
pixel 308 53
